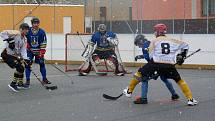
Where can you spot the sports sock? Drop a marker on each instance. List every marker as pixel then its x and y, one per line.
pixel 132 84
pixel 185 89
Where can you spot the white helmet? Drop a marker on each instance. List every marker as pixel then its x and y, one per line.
pixel 102 28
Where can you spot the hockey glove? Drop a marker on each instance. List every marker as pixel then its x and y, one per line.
pixel 41 53
pixel 180 59
pixel 113 41
pixel 11 45
pixel 138 57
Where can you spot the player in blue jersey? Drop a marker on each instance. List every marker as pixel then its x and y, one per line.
pixel 36 48
pixel 101 46
pixel 143 43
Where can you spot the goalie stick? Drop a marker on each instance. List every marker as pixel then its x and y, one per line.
pixel 72 82
pixel 117 97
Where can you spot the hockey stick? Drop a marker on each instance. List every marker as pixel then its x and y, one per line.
pixel 72 82
pixel 120 61
pixel 81 40
pixel 111 97
pixel 46 86
pixel 53 87
pixel 192 53
pixel 117 97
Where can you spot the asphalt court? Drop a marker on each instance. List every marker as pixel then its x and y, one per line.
pixel 83 101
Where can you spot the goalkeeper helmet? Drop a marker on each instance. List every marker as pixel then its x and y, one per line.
pixel 160 29
pixel 139 40
pixel 102 28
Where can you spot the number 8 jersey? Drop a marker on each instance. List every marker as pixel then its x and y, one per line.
pixel 164 49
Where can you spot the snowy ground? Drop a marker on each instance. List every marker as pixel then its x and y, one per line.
pixel 82 101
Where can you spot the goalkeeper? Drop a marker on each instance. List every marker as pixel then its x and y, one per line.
pixel 101 46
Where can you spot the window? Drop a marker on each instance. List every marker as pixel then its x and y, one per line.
pixel 103 13
pixel 130 13
pixel 211 7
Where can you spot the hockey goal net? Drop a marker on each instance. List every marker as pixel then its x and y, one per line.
pixel 74 47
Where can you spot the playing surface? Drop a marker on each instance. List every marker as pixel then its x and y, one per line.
pixel 83 101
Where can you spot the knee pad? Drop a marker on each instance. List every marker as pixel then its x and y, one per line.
pixel 18 75
pixel 20 68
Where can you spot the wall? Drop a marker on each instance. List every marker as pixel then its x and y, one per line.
pixel 167 9
pixel 161 9
pixel 119 10
pixel 51 16
pixel 203 41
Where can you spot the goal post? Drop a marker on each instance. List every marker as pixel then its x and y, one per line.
pixel 74 46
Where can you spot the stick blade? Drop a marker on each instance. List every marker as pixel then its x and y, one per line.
pixel 111 97
pixel 101 73
pixel 51 87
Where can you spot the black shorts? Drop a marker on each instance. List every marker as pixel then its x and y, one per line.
pixel 167 71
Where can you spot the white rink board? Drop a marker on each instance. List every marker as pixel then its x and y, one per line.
pixel 56 47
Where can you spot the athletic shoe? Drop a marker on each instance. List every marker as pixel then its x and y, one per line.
pixel 23 86
pixel 46 81
pixel 175 97
pixel 141 101
pixel 27 84
pixel 13 87
pixel 127 93
pixel 192 102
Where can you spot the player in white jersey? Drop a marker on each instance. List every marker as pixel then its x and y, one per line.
pixel 14 54
pixel 163 51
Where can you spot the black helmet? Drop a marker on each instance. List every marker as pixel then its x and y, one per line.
pixel 35 20
pixel 24 26
pixel 139 39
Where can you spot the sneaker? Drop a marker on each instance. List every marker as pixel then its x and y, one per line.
pixel 13 87
pixel 141 101
pixel 127 93
pixel 22 86
pixel 175 97
pixel 192 102
pixel 46 81
pixel 27 84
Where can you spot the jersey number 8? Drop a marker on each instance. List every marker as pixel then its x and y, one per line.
pixel 165 48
